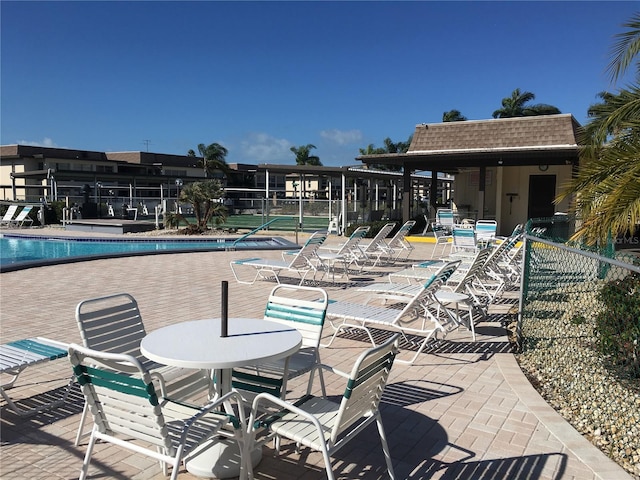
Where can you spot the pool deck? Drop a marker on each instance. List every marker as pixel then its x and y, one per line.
pixel 463 411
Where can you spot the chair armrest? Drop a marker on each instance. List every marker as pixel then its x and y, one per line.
pixel 284 406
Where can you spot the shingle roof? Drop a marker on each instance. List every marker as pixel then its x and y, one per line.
pixel 488 135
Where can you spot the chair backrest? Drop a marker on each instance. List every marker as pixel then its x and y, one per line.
pixel 112 324
pixel 354 239
pixel 300 307
pixel 365 386
pixel 429 288
pixel 486 229
pixel 398 238
pixel 308 250
pixel 11 211
pixel 121 395
pixel 464 239
pixel 444 217
pixel 23 214
pixel 380 236
pixel 476 268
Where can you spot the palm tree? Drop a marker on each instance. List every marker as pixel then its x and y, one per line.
pixel 453 116
pixel 203 196
pixel 303 157
pixel 515 106
pixel 607 186
pixel 213 158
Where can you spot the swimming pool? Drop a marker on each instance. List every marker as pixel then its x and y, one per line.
pixel 24 251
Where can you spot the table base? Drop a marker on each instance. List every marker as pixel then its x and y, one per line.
pixel 219 459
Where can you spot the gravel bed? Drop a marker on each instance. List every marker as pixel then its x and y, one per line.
pixel 560 359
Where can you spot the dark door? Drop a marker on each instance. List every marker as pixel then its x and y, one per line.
pixel 542 191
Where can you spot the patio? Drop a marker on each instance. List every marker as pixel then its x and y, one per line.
pixel 464 410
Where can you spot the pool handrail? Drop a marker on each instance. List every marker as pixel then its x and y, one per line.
pixel 257 229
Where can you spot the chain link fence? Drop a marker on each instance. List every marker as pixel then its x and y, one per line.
pixel 578 336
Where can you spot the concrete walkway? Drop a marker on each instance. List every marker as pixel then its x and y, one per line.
pixel 463 411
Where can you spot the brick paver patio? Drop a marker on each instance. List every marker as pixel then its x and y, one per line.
pixel 463 411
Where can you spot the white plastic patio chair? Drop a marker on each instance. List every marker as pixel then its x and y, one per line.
pixel 113 324
pixel 443 238
pixel 445 219
pixel 129 412
pixel 486 231
pixel 325 425
pixel 300 307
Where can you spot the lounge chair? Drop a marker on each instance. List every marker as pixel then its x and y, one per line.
pixel 16 356
pixel 23 217
pixel 418 309
pixel 398 246
pixel 130 412
pixel 346 253
pixel 377 247
pixel 113 324
pixel 303 308
pixel 302 263
pixel 458 293
pixel 325 425
pixel 7 218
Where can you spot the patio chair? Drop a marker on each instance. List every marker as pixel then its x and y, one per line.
pixel 464 242
pixel 442 237
pixel 455 292
pixel 346 253
pixel 420 309
pixel 129 412
pixel 325 425
pixel 376 248
pixel 445 219
pixel 7 218
pixel 18 355
pixel 113 324
pixel 22 218
pixel 486 231
pixel 398 246
pixel 303 308
pixel 302 262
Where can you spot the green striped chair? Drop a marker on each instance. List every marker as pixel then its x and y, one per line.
pixel 325 425
pixel 129 412
pixel 300 307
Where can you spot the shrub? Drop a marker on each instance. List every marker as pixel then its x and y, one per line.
pixel 618 324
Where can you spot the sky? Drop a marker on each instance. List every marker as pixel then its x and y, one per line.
pixel 262 77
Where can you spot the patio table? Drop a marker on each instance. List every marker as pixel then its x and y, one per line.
pixel 199 344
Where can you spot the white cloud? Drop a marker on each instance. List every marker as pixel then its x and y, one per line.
pixel 263 148
pixel 46 142
pixel 342 137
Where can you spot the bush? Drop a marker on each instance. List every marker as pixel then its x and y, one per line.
pixel 618 325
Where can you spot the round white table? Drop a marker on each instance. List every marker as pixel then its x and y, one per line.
pixel 198 344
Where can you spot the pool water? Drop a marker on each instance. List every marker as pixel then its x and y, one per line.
pixel 22 251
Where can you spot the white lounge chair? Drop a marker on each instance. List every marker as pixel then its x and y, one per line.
pixel 302 263
pixel 325 425
pixel 398 246
pixel 8 216
pixel 346 253
pixel 130 412
pixel 18 355
pixel 23 217
pixel 458 293
pixel 376 248
pixel 416 317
